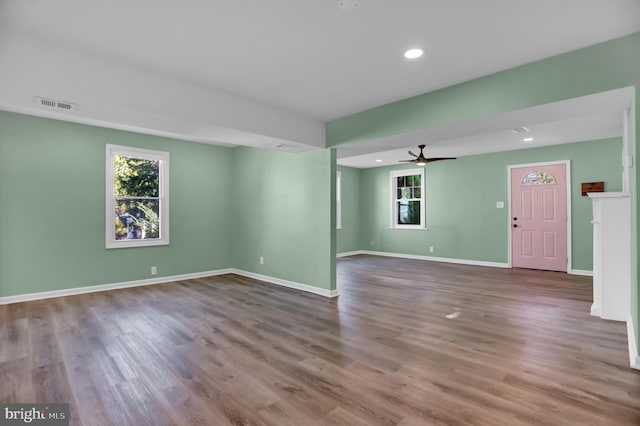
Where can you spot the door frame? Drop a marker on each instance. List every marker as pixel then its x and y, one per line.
pixel 567 169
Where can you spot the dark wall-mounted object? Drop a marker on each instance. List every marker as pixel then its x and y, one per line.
pixel 592 187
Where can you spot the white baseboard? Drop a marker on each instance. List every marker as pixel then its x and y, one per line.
pixel 580 272
pixel 436 259
pixel 634 359
pixel 595 310
pixel 160 280
pixel 448 260
pixel 349 253
pixel 105 287
pixel 286 283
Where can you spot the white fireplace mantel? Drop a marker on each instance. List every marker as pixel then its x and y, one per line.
pixel 611 255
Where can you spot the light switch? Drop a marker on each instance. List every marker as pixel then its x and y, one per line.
pixel 500 205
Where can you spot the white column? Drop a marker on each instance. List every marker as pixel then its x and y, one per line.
pixel 611 255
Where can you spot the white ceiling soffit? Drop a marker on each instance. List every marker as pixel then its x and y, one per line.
pixel 118 95
pixel 308 57
pixel 596 116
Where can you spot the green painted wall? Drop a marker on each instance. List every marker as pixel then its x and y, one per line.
pixel 283 209
pixel 598 68
pixel 227 206
pixel 594 69
pixel 462 219
pixel 52 187
pixel 348 238
pixel 634 148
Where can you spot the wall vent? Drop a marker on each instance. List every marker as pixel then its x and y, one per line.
pixel 283 146
pixel 519 130
pixel 52 103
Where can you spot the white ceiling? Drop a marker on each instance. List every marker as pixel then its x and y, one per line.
pixel 597 116
pixel 258 72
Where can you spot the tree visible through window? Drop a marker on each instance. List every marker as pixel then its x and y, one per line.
pixel 137 207
pixel 136 200
pixel 407 189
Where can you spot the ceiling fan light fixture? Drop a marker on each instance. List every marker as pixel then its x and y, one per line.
pixel 421 160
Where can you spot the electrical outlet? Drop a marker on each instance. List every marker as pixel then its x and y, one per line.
pixel 262 260
pixel 154 270
pixel 431 249
pixel 499 204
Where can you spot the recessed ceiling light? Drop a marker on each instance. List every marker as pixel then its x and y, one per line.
pixel 413 53
pixel 527 140
pixel 378 161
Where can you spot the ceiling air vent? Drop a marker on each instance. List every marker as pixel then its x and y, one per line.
pixel 519 130
pixel 51 103
pixel 282 146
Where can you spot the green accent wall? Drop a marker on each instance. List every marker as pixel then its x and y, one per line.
pixel 283 208
pixel 52 214
pixel 348 237
pixel 606 66
pixel 227 207
pixel 594 69
pixel 462 219
pixel 634 149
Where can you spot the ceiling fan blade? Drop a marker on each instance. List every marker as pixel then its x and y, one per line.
pixel 412 154
pixel 429 160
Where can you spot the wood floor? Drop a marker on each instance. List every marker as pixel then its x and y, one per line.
pixel 518 347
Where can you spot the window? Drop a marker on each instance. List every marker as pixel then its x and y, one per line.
pixel 407 199
pixel 137 197
pixel 338 200
pixel 538 178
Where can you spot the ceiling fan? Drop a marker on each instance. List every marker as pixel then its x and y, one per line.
pixel 421 160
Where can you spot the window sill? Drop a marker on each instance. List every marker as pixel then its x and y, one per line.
pixel 135 243
pixel 413 228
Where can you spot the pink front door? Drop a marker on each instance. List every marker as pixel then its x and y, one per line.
pixel 539 217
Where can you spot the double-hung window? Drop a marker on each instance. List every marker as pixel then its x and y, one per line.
pixel 137 197
pixel 407 199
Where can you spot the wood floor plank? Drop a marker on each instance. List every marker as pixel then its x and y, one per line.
pixel 408 342
pixel 15 380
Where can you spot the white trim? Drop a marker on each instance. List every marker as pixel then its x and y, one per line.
pixel 608 195
pixel 393 213
pixel 634 359
pixel 433 258
pixel 349 253
pixel 161 280
pixel 286 283
pixel 106 287
pixel 627 160
pixel 595 310
pixel 567 168
pixel 338 200
pixel 583 272
pixel 163 195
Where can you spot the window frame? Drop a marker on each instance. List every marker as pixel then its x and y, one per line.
pixel 163 195
pixel 338 200
pixel 393 219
